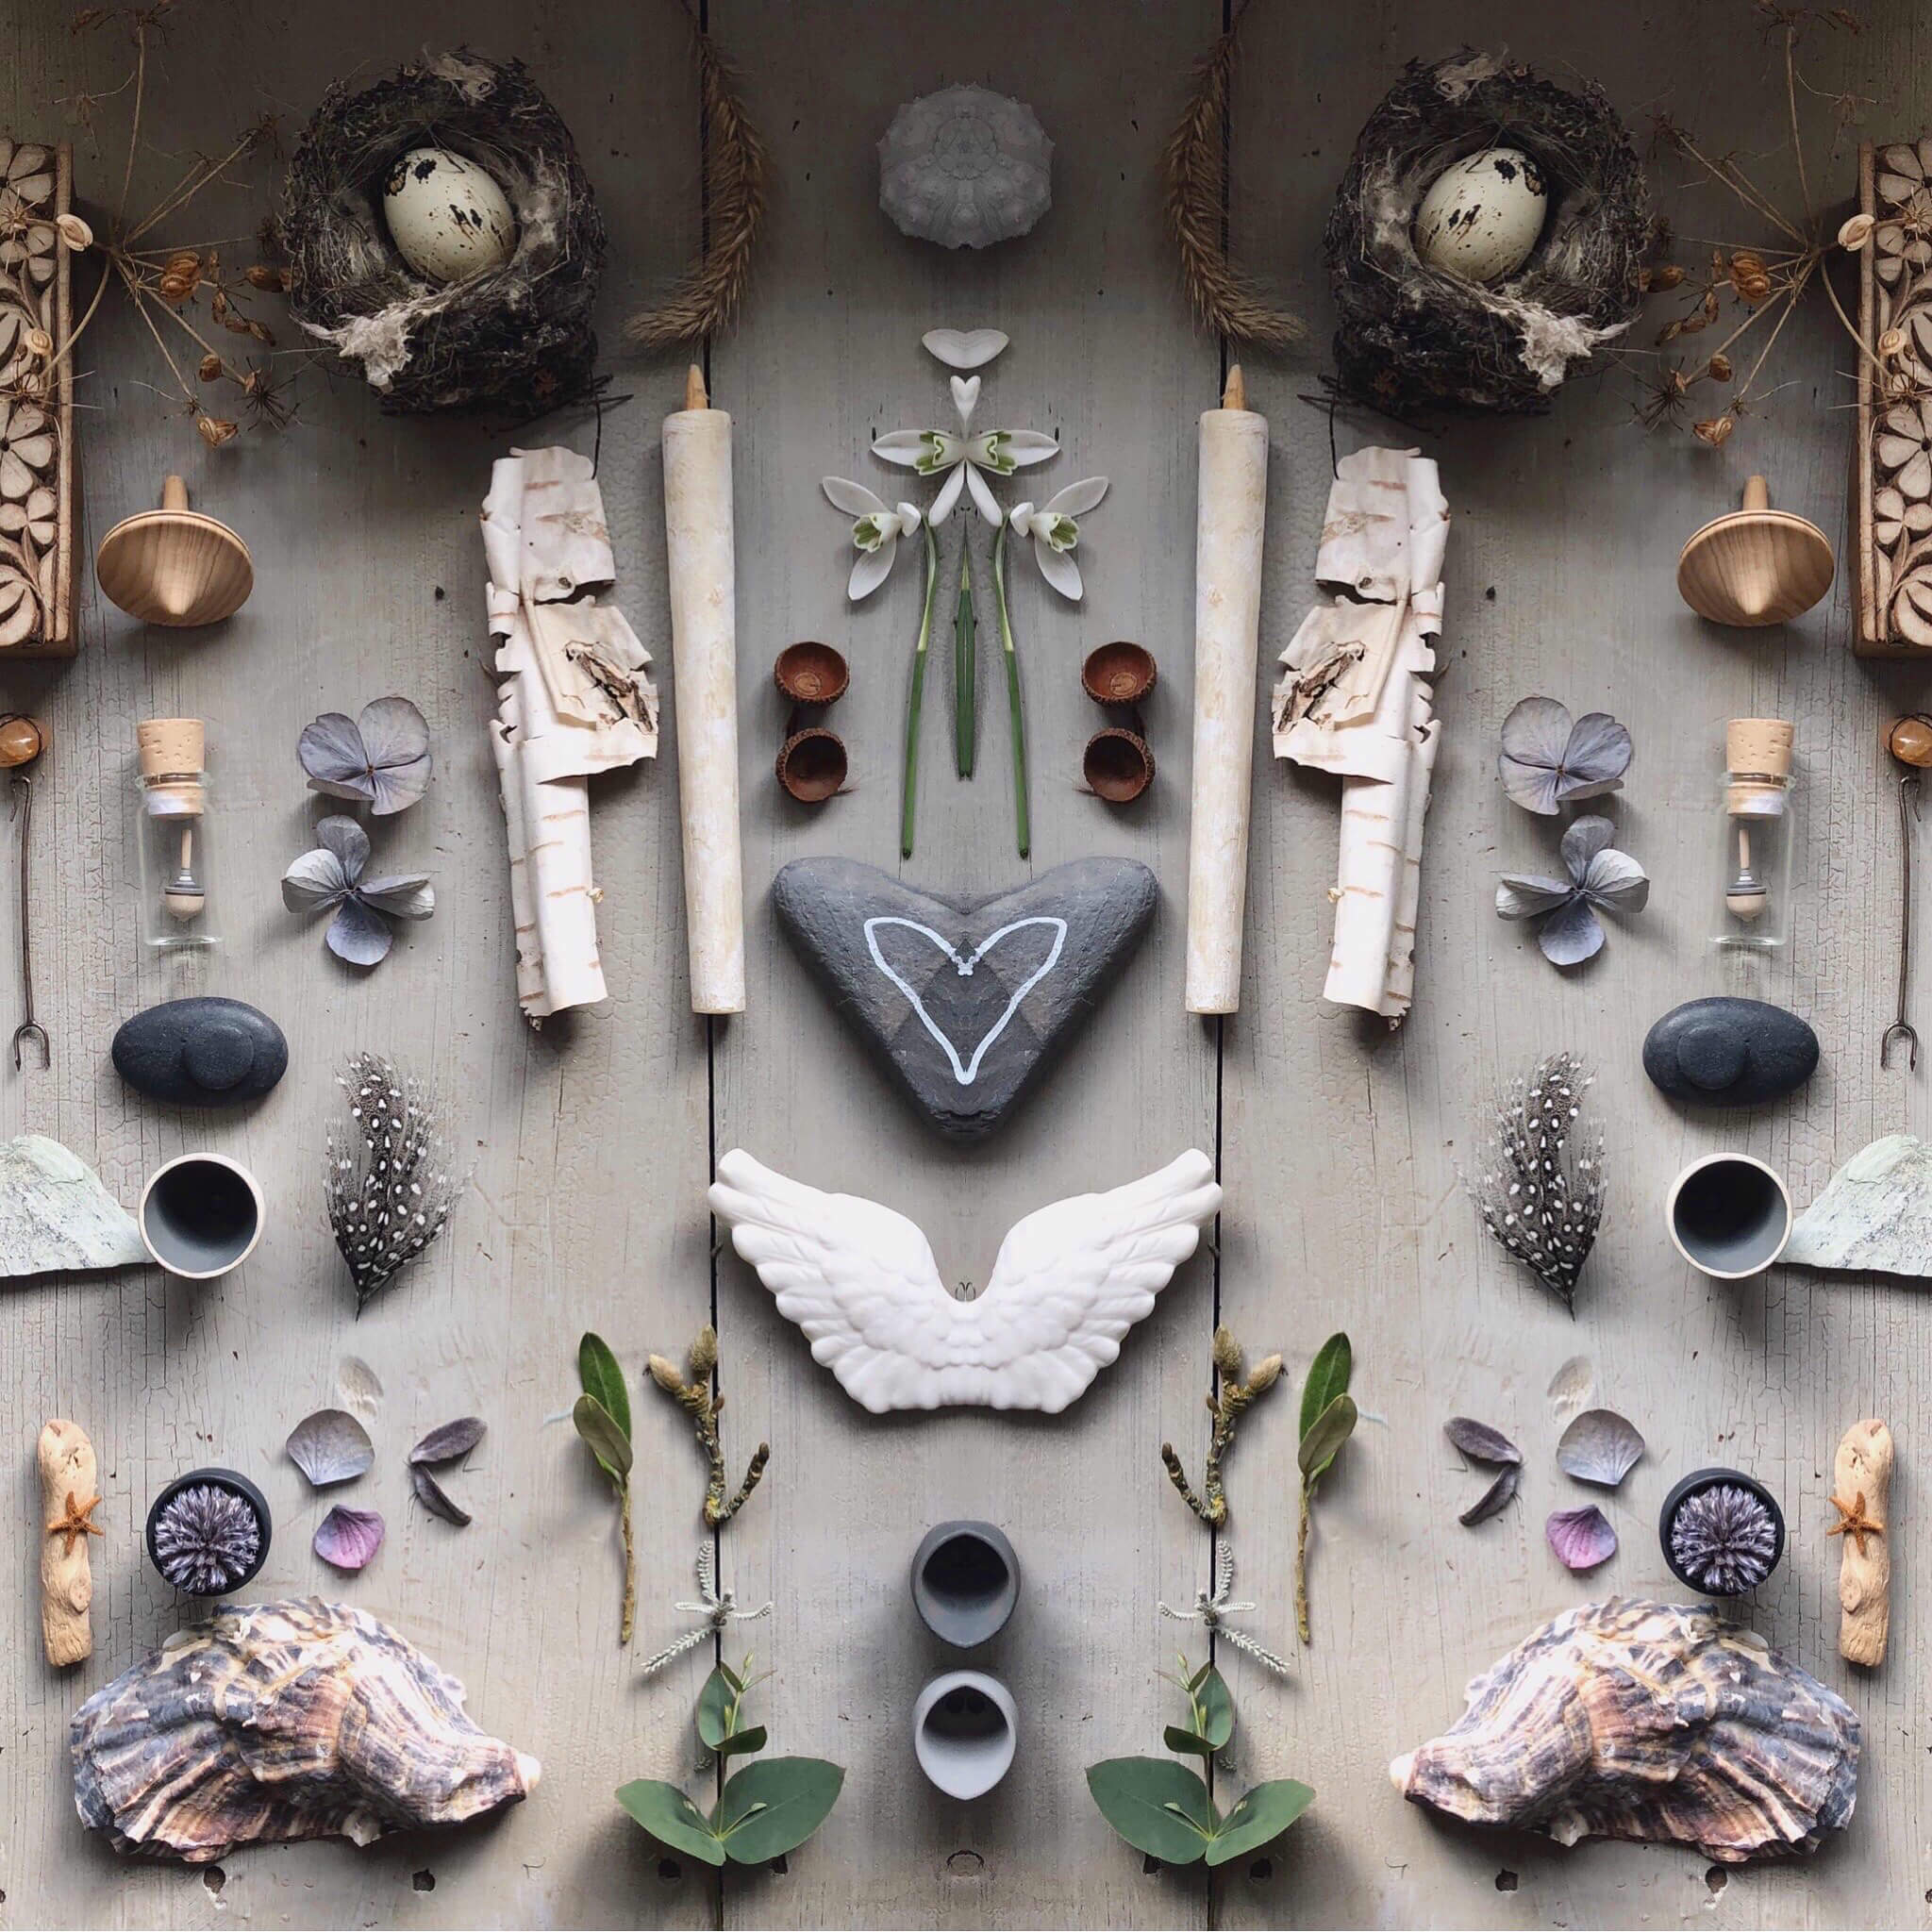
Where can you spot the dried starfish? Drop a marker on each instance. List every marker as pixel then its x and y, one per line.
pixel 1853 1524
pixel 78 1521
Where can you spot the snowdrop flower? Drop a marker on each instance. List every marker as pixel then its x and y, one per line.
pixel 875 532
pixel 1055 534
pixel 964 459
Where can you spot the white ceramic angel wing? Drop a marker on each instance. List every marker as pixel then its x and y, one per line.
pixel 861 1282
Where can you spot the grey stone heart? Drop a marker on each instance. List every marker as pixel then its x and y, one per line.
pixel 965 995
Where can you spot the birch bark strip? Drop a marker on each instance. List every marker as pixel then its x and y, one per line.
pixel 1864 1468
pixel 1230 519
pixel 67 1588
pixel 704 660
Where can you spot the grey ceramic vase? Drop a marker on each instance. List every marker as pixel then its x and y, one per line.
pixel 964 1732
pixel 965 1582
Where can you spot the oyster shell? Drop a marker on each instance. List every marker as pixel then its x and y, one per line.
pixel 283 1721
pixel 1646 1721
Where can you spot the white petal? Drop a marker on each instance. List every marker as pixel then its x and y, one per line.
pixel 949 495
pixel 855 499
pixel 1020 519
pixel 1058 569
pixel 970 348
pixel 872 570
pixel 911 517
pixel 965 398
pixel 905 447
pixel 1076 499
pixel 988 503
pixel 1023 447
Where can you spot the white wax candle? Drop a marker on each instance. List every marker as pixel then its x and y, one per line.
pixel 1229 523
pixel 704 659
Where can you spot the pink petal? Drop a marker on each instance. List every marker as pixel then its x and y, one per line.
pixel 1582 1538
pixel 347 1538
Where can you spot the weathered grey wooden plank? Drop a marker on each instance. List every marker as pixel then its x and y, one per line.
pixel 1343 1146
pixel 588 1142
pixel 827 358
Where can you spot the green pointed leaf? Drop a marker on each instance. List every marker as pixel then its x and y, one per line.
pixel 717 1710
pixel 1216 1706
pixel 743 1744
pixel 671 1818
pixel 1331 1429
pixel 1176 1738
pixel 771 1808
pixel 1159 1806
pixel 1194 1677
pixel 609 1443
pixel 597 1369
pixel 1328 1376
pixel 1262 1815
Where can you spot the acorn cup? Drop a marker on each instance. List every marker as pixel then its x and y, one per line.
pixel 812 763
pixel 1117 764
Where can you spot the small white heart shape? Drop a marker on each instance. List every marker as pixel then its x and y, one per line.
pixel 965 394
pixel 970 348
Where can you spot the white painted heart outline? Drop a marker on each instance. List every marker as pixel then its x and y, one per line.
pixel 966 1074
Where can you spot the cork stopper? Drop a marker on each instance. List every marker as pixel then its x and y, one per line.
pixel 1762 745
pixel 170 747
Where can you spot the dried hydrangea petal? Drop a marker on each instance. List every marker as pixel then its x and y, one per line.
pixel 359 934
pixel 435 1499
pixel 330 1446
pixel 348 1539
pixel 1535 735
pixel 1595 758
pixel 1572 934
pixel 1600 1447
pixel 1480 1442
pixel 1582 1538
pixel 395 743
pixel 1494 1499
pixel 330 749
pixel 450 1442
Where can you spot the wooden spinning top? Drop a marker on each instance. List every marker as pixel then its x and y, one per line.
pixel 173 565
pixel 1757 565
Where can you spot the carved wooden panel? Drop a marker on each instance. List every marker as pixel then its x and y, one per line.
pixel 1893 478
pixel 37 479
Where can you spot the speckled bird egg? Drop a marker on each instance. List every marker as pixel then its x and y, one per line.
pixel 1482 217
pixel 447 216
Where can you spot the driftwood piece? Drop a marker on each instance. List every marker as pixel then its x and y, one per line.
pixel 69 1494
pixel 1861 1493
pixel 39 495
pixel 1892 459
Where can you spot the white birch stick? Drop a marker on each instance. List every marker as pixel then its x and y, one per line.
pixel 1230 520
pixel 704 657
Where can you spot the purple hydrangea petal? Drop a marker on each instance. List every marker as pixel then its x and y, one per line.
pixel 1583 839
pixel 396 744
pixel 1572 934
pixel 1600 1447
pixel 402 895
pixel 1616 880
pixel 1595 758
pixel 1582 1538
pixel 358 934
pixel 1524 895
pixel 345 838
pixel 348 1538
pixel 331 751
pixel 1535 735
pixel 314 882
pixel 330 1446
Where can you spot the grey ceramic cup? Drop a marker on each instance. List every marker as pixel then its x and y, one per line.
pixel 1728 1215
pixel 201 1215
pixel 965 1582
pixel 964 1732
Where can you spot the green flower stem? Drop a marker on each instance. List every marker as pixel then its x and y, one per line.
pixel 1022 825
pixel 910 802
pixel 965 668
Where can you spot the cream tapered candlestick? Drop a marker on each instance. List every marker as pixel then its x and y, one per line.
pixel 1229 523
pixel 703 661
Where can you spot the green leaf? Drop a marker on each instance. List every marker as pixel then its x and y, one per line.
pixel 1216 1707
pixel 1177 1739
pixel 671 1818
pixel 1159 1806
pixel 1262 1815
pixel 598 1372
pixel 717 1710
pixel 609 1443
pixel 1332 1428
pixel 1328 1376
pixel 771 1808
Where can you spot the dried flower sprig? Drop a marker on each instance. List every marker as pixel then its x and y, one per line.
pixel 718 1607
pixel 390 1185
pixel 698 1399
pixel 190 290
pixel 1212 1607
pixel 1238 1394
pixel 1741 288
pixel 1541 1188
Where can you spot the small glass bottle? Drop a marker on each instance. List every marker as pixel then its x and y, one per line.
pixel 1755 877
pixel 176 909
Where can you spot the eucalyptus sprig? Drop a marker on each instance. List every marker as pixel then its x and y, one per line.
pixel 1328 1419
pixel 1237 1393
pixel 699 1401
pixel 763 1810
pixel 1164 1810
pixel 602 1416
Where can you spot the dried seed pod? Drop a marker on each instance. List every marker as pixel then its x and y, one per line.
pixel 1118 765
pixel 810 672
pixel 811 765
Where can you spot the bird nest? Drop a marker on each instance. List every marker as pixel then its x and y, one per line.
pixel 517 337
pixel 1411 337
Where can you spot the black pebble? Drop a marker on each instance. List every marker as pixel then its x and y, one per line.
pixel 203 1052
pixel 1729 1052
